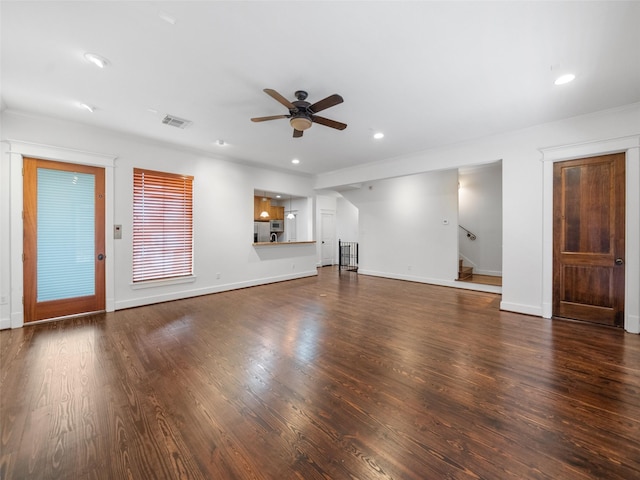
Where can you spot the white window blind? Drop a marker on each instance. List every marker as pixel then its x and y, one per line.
pixel 162 225
pixel 66 235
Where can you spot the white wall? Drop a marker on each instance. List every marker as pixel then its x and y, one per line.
pixel 223 213
pixel 346 220
pixel 523 192
pixel 480 210
pixel 401 227
pixel 303 210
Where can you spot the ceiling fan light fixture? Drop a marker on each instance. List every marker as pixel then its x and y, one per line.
pixel 300 123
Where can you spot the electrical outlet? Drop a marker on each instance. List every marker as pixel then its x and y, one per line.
pixel 218 275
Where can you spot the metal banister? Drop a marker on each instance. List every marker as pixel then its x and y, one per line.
pixel 470 234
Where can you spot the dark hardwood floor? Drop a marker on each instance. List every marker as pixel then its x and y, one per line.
pixel 334 377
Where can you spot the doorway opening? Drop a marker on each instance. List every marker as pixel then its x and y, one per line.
pixel 480 224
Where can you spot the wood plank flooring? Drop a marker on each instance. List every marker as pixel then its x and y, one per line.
pixel 335 377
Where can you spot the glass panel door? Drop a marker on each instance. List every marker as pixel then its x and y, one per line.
pixel 63 239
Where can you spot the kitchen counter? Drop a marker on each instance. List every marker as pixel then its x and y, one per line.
pixel 269 244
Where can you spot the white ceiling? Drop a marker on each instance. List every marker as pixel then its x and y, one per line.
pixel 425 73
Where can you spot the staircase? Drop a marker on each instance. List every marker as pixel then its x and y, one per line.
pixel 464 273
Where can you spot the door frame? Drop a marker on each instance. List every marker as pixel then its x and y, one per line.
pixel 631 147
pixel 18 150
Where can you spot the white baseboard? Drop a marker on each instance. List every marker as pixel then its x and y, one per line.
pixel 5 323
pixel 167 297
pixel 632 324
pixel 520 308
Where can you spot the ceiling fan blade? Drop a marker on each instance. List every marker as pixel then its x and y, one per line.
pixel 297 133
pixel 330 101
pixel 264 119
pixel 328 122
pixel 275 95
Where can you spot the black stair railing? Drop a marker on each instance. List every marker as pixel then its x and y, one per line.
pixel 348 256
pixel 470 234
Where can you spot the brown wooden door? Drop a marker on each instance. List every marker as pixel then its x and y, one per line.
pixel 588 239
pixel 64 239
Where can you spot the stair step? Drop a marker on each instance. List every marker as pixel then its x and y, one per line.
pixel 464 272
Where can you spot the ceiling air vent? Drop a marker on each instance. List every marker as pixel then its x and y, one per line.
pixel 176 122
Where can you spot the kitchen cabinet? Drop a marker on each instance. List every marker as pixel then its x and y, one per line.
pixel 259 206
pixel 276 212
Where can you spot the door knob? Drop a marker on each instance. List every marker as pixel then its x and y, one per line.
pixel 100 256
pixel 619 261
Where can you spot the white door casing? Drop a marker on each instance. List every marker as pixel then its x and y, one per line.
pixel 631 146
pixel 18 150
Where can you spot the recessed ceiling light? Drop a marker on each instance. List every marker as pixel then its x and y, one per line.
pixel 87 107
pixel 166 17
pixel 295 161
pixel 97 60
pixel 378 135
pixel 221 143
pixel 561 80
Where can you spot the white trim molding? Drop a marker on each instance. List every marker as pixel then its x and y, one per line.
pixel 17 151
pixel 61 154
pixel 630 145
pixel 590 149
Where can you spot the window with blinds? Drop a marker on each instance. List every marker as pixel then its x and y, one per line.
pixel 162 225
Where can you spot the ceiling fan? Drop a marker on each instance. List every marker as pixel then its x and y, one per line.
pixel 302 114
